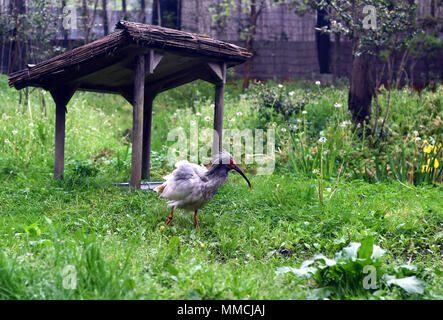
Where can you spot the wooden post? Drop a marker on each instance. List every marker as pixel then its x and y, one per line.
pixel 61 96
pixel 218 112
pixel 137 121
pixel 147 125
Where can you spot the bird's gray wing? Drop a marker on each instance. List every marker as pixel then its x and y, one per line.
pixel 183 181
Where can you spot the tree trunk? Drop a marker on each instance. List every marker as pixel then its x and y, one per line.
pixel 105 18
pixel 17 47
pixel 143 11
pixel 124 13
pixel 337 55
pixel 88 21
pixel 361 88
pixel 254 14
pixel 85 19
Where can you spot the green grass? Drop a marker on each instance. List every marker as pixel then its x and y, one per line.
pixel 113 236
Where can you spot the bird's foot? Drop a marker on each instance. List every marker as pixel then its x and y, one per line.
pixel 169 222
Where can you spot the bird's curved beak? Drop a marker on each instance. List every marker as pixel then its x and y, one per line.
pixel 236 168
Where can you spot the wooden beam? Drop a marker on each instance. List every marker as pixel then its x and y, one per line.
pixel 218 118
pixel 137 121
pixel 61 96
pixel 147 127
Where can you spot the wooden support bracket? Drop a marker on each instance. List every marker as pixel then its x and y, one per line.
pixel 152 60
pixel 218 71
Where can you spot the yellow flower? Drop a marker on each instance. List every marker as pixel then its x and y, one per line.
pixel 424 168
pixel 162 228
pixel 428 148
pixel 436 164
pixel 202 245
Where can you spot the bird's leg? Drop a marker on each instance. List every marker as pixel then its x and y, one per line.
pixel 196 220
pixel 170 216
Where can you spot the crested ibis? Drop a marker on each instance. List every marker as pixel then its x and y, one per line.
pixel 190 186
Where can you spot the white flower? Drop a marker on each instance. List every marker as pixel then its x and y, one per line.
pixel 274 124
pixel 322 140
pixel 317 83
pixel 345 123
pixel 239 113
pixel 193 123
pixel 7 141
pixel 14 132
pixel 231 120
pixel 212 106
pixel 291 93
pixel 31 124
pixel 198 114
pixel 280 86
pixel 283 129
pixel 415 132
pixel 299 120
pixel 304 112
pixel 338 105
pixel 207 118
pixel 4 115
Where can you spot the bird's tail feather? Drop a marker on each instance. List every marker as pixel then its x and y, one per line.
pixel 160 189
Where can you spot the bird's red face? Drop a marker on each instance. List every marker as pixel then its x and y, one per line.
pixel 232 164
pixel 235 167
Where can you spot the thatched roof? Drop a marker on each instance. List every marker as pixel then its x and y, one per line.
pixel 107 64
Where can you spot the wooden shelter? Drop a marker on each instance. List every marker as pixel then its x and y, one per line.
pixel 137 61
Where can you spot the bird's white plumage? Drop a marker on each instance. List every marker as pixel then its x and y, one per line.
pixel 185 186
